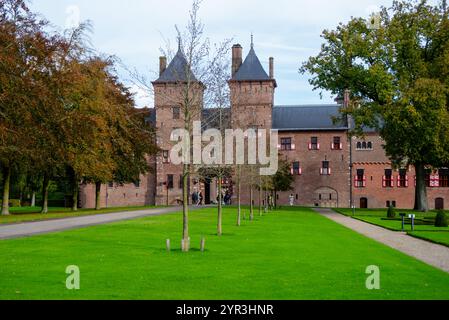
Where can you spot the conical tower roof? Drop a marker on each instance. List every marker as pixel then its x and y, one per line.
pixel 177 70
pixel 251 69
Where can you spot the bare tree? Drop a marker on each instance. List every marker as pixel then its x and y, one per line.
pixel 194 84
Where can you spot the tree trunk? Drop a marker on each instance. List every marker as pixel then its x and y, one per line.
pixel 33 199
pixel 251 201
pixel 45 184
pixel 220 209
pixel 75 194
pixel 185 209
pixel 239 199
pixel 275 199
pixel 97 195
pixel 260 199
pixel 421 189
pixel 6 185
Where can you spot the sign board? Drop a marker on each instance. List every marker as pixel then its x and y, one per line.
pixel 411 216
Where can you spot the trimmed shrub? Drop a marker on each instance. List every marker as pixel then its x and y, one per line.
pixel 441 219
pixel 391 212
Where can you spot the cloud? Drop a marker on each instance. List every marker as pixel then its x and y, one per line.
pixel 287 30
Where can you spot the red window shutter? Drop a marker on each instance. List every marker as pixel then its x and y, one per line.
pixel 300 171
pixel 329 171
pixel 292 171
pixel 310 146
pixel 318 146
pixel 384 181
pixel 406 181
pixel 341 146
pixel 321 171
pixel 398 181
pixel 364 181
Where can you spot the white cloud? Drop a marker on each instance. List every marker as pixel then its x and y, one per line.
pixel 285 29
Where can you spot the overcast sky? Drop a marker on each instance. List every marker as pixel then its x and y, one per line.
pixel 288 30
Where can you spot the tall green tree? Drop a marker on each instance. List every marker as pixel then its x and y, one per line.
pixel 396 67
pixel 283 180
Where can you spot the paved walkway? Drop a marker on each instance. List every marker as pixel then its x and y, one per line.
pixel 430 253
pixel 32 228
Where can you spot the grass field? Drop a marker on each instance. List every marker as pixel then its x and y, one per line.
pixel 28 214
pixel 425 232
pixel 288 254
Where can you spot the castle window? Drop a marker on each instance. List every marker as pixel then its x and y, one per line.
pixel 403 178
pixel 137 183
pixel 325 169
pixel 444 178
pixel 360 179
pixel 336 144
pixel 111 184
pixel 170 181
pixel 387 180
pixel 176 113
pixel 314 145
pixel 362 146
pixel 296 168
pixel 286 144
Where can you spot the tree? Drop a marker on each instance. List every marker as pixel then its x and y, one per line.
pixel 19 36
pixel 191 89
pixel 397 72
pixel 283 179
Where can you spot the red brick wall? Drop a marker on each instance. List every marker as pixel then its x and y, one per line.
pixel 374 162
pixel 334 189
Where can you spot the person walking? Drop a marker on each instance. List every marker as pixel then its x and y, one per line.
pixel 200 202
pixel 292 200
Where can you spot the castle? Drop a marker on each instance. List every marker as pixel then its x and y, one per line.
pixel 330 168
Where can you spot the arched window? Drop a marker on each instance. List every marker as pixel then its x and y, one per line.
pixel 359 145
pixel 364 145
pixel 370 145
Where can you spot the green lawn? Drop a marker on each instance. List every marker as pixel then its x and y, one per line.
pixel 425 232
pixel 289 254
pixel 28 214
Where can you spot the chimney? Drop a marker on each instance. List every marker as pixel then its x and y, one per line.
pixel 162 65
pixel 347 98
pixel 271 68
pixel 237 58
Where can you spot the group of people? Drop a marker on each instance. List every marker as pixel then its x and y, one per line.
pixel 197 198
pixel 226 198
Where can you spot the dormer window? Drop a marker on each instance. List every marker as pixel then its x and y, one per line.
pixel 364 146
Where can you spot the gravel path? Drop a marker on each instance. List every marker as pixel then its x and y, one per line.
pixel 32 228
pixel 434 254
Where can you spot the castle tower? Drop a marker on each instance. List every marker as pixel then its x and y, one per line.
pixel 252 91
pixel 176 87
pixel 252 100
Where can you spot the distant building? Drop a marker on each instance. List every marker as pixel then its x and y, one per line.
pixel 318 148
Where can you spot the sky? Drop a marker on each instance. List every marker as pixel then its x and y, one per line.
pixel 288 30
